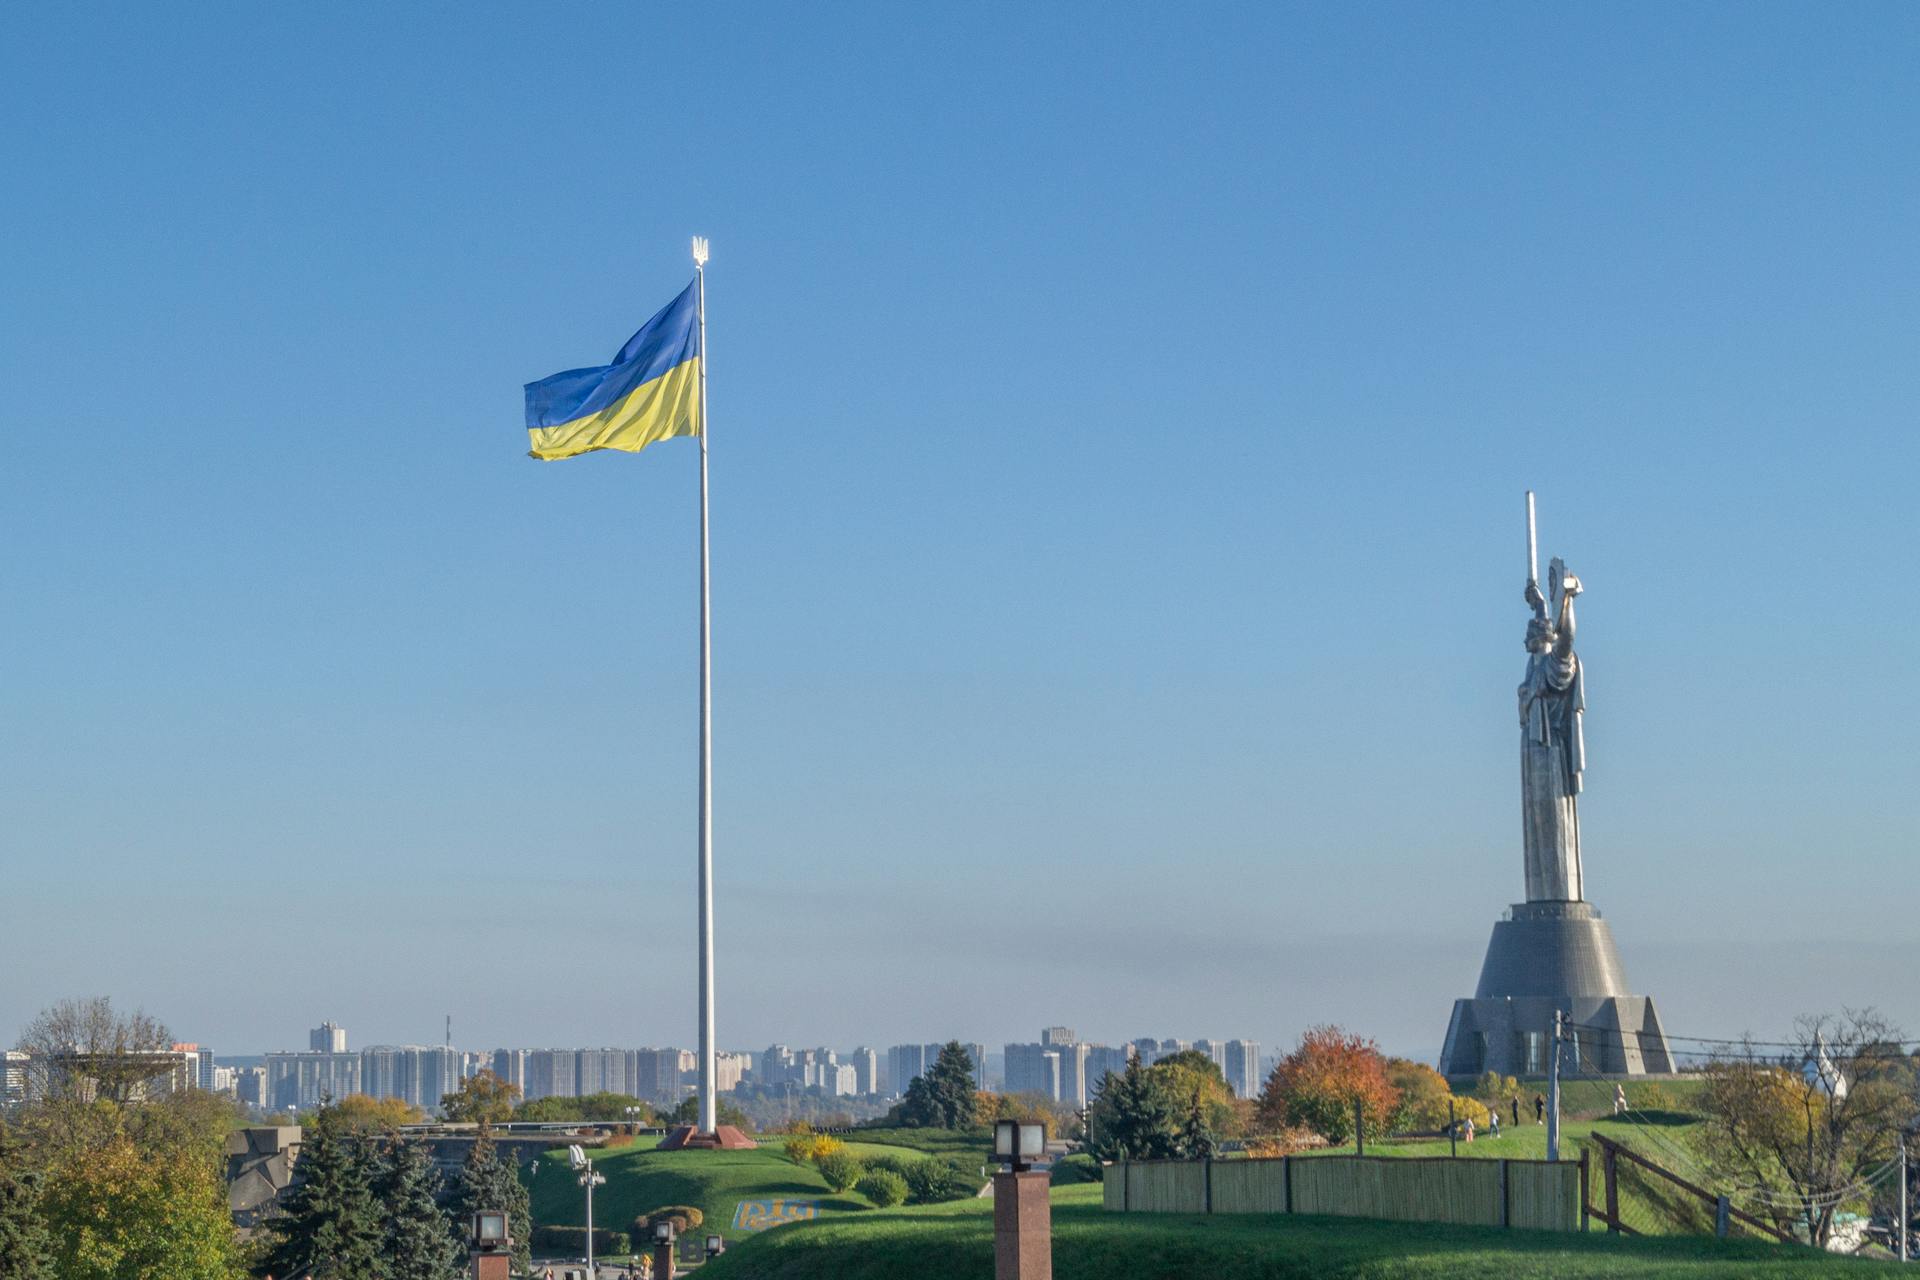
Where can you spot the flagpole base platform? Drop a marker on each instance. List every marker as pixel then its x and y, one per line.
pixel 724 1138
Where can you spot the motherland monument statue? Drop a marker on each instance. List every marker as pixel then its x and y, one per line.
pixel 1553 952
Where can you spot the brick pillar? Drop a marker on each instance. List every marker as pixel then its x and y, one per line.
pixel 1022 1227
pixel 491 1266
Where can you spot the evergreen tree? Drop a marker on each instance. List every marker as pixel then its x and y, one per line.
pixel 488 1182
pixel 1196 1135
pixel 944 1097
pixel 332 1229
pixel 24 1244
pixel 1133 1117
pixel 420 1239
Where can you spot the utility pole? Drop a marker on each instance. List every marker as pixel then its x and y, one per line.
pixel 1553 1091
pixel 1903 1194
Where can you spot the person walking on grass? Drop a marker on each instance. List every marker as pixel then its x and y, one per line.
pixel 1493 1122
pixel 1539 1109
pixel 1469 1129
pixel 1514 1101
pixel 1619 1099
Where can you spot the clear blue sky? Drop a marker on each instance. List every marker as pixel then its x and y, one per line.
pixel 1120 421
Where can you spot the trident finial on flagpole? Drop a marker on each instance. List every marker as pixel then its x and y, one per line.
pixel 700 251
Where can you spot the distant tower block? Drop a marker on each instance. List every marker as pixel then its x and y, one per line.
pixel 1553 951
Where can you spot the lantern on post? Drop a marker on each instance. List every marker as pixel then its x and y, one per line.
pixel 1018 1144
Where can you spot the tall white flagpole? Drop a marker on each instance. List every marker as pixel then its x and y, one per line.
pixel 709 1107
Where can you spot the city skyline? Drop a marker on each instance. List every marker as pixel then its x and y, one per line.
pixel 1141 550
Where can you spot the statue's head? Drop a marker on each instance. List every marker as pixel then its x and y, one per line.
pixel 1539 635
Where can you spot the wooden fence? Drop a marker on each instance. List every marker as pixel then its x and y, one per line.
pixel 1534 1194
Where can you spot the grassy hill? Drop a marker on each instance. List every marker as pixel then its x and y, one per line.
pixel 955 1242
pixel 641 1178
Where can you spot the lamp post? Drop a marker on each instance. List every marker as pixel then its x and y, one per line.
pixel 588 1179
pixel 663 1249
pixel 1022 1217
pixel 633 1118
pixel 491 1250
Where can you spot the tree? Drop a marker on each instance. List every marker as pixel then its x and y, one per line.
pixel 1189 1072
pixel 25 1247
pixel 942 1098
pixel 482 1098
pixel 1427 1103
pixel 332 1228
pixel 592 1106
pixel 365 1116
pixel 1320 1083
pixel 724 1112
pixel 420 1240
pixel 1810 1119
pixel 118 1212
pixel 83 1050
pixel 488 1182
pixel 1196 1136
pixel 1133 1116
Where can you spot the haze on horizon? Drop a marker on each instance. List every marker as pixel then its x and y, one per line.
pixel 1120 424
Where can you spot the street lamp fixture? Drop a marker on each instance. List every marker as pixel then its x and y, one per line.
pixel 715 1246
pixel 588 1179
pixel 663 1231
pixel 1018 1143
pixel 490 1231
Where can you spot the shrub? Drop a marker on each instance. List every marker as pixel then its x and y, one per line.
pixel 932 1181
pixel 685 1218
pixel 1078 1167
pixel 802 1148
pixel 839 1169
pixel 895 1165
pixel 882 1186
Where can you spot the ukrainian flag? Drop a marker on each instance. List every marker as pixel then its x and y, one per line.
pixel 650 392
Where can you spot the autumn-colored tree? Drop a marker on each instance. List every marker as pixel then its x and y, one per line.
pixel 482 1098
pixel 1319 1085
pixel 117 1212
pixel 1427 1103
pixel 1812 1122
pixel 362 1115
pixel 1189 1072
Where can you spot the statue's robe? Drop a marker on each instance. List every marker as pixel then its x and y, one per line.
pixel 1552 758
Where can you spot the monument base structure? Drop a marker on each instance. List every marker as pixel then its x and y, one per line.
pixel 1546 956
pixel 724 1138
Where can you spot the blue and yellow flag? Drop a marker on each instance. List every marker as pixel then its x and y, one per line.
pixel 650 392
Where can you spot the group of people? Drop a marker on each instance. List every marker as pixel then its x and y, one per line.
pixel 1466 1126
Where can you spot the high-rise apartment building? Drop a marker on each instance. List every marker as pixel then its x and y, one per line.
pixel 304 1080
pixel 866 1070
pixel 1033 1068
pixel 1056 1037
pixel 327 1038
pixel 1242 1068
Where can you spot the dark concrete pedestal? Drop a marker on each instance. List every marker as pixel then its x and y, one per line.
pixel 1547 956
pixel 1022 1227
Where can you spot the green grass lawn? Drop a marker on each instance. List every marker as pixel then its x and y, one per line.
pixel 955 1242
pixel 966 1143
